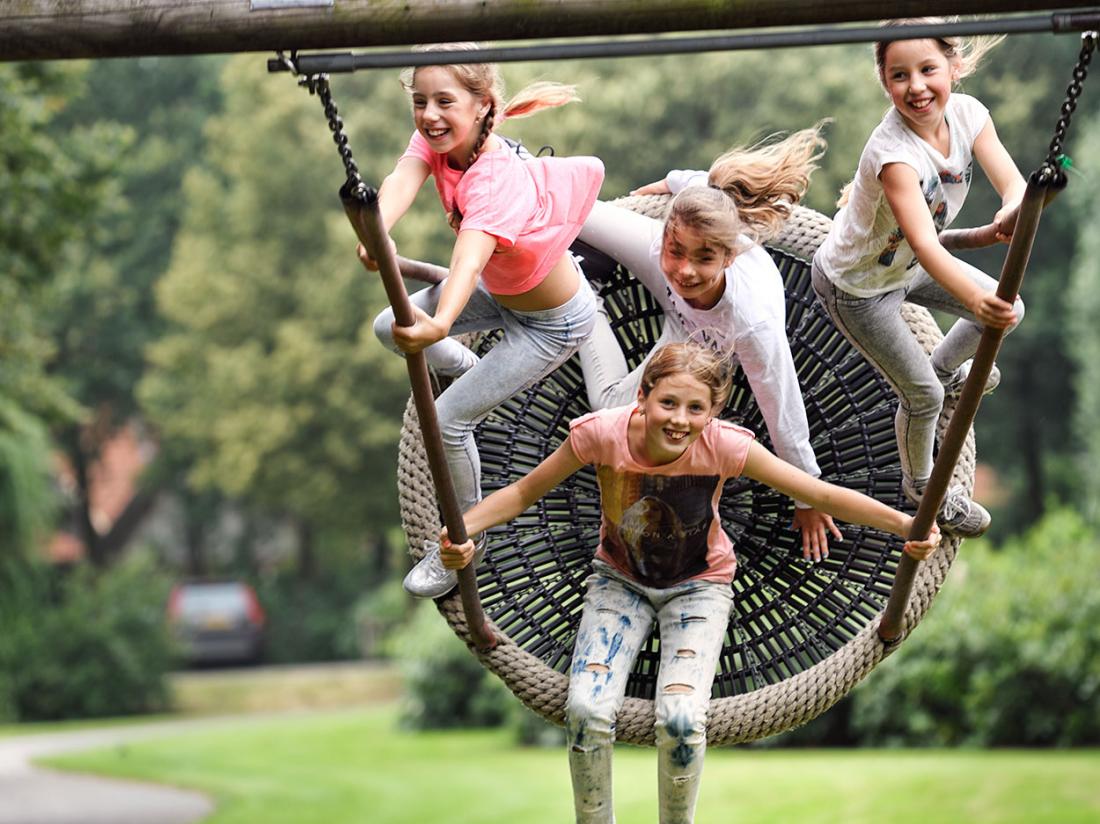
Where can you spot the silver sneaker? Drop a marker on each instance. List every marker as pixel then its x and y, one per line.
pixel 962 516
pixel 429 578
pixel 953 384
pixel 958 514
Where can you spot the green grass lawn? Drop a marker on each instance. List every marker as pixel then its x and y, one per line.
pixel 356 766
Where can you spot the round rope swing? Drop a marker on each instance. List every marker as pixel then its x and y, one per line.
pixel 801 635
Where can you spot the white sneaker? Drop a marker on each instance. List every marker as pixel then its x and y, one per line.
pixel 953 384
pixel 958 515
pixel 429 578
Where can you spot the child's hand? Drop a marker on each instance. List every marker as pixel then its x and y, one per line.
pixel 922 550
pixel 454 556
pixel 815 527
pixel 1005 221
pixel 367 260
pixel 989 310
pixel 659 187
pixel 422 334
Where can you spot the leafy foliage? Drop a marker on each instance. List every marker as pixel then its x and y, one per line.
pixel 1010 656
pixel 85 645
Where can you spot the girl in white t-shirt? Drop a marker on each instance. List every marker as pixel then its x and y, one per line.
pixel 884 248
pixel 663 556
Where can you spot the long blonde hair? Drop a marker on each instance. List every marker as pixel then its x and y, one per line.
pixel 751 191
pixel 964 53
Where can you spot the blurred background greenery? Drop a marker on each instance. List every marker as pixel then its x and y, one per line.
pixel 178 285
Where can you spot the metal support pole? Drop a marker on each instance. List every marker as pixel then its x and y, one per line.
pixel 1012 274
pixel 361 205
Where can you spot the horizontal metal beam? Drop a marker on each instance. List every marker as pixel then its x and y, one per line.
pixel 337 62
pixel 48 29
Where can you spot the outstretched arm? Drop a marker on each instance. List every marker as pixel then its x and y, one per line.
pixel 509 502
pixel 1001 170
pixel 846 504
pixel 627 237
pixel 396 195
pixel 472 251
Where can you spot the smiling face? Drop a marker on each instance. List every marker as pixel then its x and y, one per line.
pixel 446 113
pixel 694 265
pixel 918 76
pixel 673 416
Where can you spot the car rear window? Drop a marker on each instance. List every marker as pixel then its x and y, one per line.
pixel 213 597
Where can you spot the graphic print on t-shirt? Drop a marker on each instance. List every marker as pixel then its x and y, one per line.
pixel 657 525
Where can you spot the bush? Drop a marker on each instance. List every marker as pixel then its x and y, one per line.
pixel 445 685
pixel 378 614
pixel 1009 656
pixel 85 643
pixel 310 619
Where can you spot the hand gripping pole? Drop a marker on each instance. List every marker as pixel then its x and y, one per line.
pixel 361 205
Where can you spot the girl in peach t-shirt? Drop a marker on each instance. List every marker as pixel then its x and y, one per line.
pixel 510 268
pixel 664 557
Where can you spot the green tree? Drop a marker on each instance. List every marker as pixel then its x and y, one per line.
pixel 102 309
pixel 269 378
pixel 53 184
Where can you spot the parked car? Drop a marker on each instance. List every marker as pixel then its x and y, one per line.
pixel 217 622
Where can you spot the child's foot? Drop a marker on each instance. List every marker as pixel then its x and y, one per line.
pixel 958 515
pixel 429 578
pixel 953 384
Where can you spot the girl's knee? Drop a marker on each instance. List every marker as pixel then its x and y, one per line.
pixel 383 327
pixel 681 727
pixel 923 397
pixel 587 723
pixel 1018 307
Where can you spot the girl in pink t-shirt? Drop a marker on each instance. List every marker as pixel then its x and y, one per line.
pixel 663 556
pixel 510 268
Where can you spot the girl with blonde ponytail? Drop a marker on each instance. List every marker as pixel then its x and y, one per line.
pixel 719 287
pixel 510 268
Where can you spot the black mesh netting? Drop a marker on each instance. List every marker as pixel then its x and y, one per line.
pixel 788 614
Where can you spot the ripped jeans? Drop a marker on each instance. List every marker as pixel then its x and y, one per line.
pixel 618 614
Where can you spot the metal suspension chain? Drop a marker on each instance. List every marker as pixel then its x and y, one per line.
pixel 1053 168
pixel 318 85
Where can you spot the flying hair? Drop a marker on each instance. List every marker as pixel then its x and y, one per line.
pixel 752 190
pixel 712 369
pixel 966 53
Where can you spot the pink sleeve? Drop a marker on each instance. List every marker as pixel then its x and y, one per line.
pixel 584 437
pixel 735 443
pixel 494 199
pixel 418 147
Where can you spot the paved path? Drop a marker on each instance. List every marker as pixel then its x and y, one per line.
pixel 32 795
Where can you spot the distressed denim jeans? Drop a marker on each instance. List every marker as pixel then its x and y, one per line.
pixel 534 345
pixel 618 614
pixel 875 327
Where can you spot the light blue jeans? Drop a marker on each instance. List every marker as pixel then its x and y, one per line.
pixel 534 345
pixel 875 327
pixel 617 617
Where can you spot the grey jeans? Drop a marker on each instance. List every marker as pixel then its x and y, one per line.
pixel 875 327
pixel 618 614
pixel 534 345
